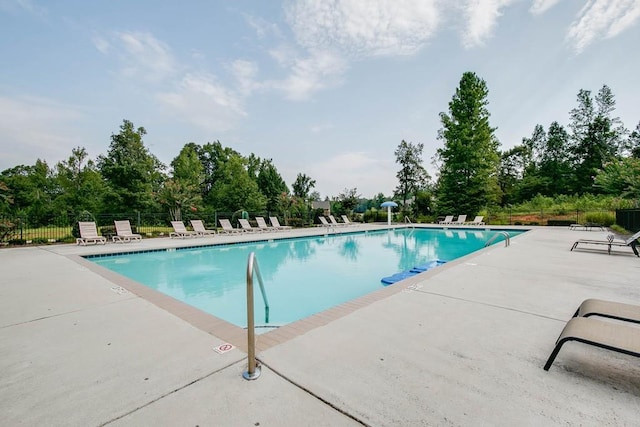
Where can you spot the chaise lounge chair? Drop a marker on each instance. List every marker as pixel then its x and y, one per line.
pixel 447 220
pixel 346 220
pixel 179 230
pixel 124 233
pixel 478 220
pixel 246 226
pixel 262 225
pixel 336 223
pixel 89 234
pixel 462 219
pixel 608 335
pixel 227 228
pixel 324 222
pixel 610 242
pixel 609 309
pixel 276 224
pixel 200 229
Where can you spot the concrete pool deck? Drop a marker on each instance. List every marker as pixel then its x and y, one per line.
pixel 463 344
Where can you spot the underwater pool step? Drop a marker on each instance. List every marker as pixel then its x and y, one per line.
pixel 389 280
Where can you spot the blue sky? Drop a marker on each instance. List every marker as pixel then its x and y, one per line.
pixel 325 88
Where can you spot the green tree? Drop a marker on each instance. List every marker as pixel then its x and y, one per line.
pixel 178 195
pixel 412 176
pixel 32 189
pixel 302 186
pixel 81 185
pixel 621 178
pixel 187 167
pixel 349 199
pixel 597 137
pixel 469 158
pixel 235 190
pixel 213 156
pixel 555 161
pixel 634 142
pixel 270 184
pixel 183 190
pixel 132 173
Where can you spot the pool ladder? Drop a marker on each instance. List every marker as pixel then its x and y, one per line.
pixel 507 241
pixel 253 367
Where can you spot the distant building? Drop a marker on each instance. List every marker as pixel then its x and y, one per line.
pixel 325 205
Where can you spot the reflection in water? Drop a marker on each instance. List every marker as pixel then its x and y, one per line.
pixel 349 249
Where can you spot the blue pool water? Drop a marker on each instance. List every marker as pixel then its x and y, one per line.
pixel 302 276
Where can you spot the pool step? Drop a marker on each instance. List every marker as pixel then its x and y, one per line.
pixel 389 280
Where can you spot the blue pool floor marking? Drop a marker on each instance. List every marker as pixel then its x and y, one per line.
pixel 389 280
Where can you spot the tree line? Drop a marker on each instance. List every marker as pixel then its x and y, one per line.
pixel 595 154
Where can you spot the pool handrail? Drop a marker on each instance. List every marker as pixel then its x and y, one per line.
pixel 495 236
pixel 253 368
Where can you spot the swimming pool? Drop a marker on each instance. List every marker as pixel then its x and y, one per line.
pixel 302 276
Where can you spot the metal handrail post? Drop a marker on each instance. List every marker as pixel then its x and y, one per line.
pixel 253 368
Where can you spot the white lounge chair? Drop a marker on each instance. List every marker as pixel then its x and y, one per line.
pixel 346 220
pixel 324 222
pixel 276 224
pixel 124 233
pixel 460 221
pixel 244 223
pixel 200 229
pixel 478 220
pixel 262 224
pixel 227 228
pixel 179 230
pixel 447 220
pixel 336 223
pixel 89 234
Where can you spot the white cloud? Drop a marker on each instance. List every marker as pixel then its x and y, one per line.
pixel 201 100
pixel 142 55
pixel 262 27
pixel 33 128
pixel 541 6
pixel 25 5
pixel 245 73
pixel 319 70
pixel 602 18
pixel 481 17
pixel 364 27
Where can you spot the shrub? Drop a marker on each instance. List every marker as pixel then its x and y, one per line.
pixel 603 218
pixel 17 242
pixel 40 241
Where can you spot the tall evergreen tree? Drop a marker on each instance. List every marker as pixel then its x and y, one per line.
pixel 131 171
pixel 469 158
pixel 597 137
pixel 271 184
pixel 412 176
pixel 555 160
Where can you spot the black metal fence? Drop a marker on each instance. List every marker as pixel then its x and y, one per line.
pixel 629 219
pixel 63 228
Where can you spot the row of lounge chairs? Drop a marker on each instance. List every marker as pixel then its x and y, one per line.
pixel 331 221
pixel 124 234
pixel 462 220
pixel 89 233
pixel 179 230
